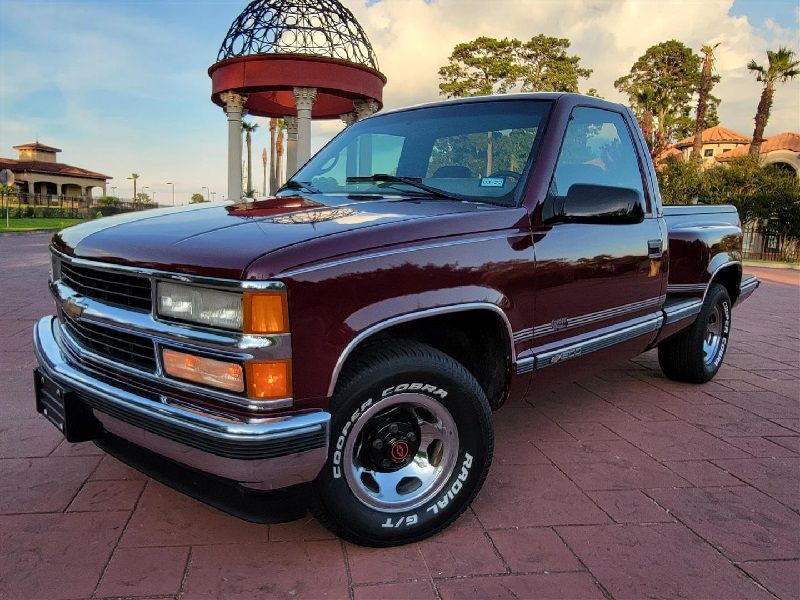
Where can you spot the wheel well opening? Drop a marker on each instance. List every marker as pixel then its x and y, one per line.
pixel 730 277
pixel 478 339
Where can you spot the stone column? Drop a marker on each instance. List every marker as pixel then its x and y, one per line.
pixel 291 146
pixel 304 101
pixel 234 108
pixel 365 108
pixel 349 118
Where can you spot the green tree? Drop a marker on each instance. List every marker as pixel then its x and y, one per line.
pixel 781 67
pixel 765 195
pixel 249 127
pixel 680 181
pixel 142 198
pixel 197 198
pixel 545 65
pixel 707 81
pixel 480 67
pixel 712 116
pixel 665 79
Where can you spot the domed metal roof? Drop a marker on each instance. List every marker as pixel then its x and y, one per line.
pixel 311 27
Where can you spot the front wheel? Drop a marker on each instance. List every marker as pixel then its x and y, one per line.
pixel 695 354
pixel 411 444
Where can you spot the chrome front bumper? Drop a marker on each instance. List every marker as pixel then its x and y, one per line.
pixel 264 454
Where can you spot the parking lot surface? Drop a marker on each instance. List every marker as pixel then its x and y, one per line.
pixel 622 485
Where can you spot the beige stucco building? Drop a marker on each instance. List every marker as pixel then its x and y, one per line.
pixel 782 150
pixel 39 175
pixel 715 142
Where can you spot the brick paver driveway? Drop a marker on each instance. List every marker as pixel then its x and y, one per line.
pixel 624 485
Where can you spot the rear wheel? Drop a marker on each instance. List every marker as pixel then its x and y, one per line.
pixel 695 354
pixel 411 444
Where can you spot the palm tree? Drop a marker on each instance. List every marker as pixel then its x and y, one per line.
pixel 703 92
pixel 134 176
pixel 273 173
pixel 781 67
pixel 249 127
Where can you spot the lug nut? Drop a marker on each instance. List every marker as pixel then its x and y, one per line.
pixel 411 437
pixel 385 463
pixel 377 444
pixel 393 428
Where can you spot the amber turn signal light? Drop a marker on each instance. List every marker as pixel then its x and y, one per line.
pixel 206 371
pixel 265 313
pixel 269 380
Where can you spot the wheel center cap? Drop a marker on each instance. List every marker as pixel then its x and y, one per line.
pixel 399 451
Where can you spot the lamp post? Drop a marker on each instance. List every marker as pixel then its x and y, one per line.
pixel 173 192
pixel 207 193
pixel 213 196
pixel 147 187
pixel 113 190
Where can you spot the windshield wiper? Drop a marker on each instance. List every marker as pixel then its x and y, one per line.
pixel 415 182
pixel 293 184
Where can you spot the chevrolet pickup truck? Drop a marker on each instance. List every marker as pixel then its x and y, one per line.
pixel 353 334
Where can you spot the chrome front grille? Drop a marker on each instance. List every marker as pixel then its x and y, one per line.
pixel 112 344
pixel 119 289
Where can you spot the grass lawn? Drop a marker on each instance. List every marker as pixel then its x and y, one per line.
pixel 23 225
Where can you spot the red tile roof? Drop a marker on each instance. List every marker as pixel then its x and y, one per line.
pixel 49 168
pixel 36 146
pixel 715 135
pixel 671 152
pixel 783 141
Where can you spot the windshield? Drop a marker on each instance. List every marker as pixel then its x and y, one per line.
pixel 474 151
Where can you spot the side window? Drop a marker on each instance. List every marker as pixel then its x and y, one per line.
pixel 597 150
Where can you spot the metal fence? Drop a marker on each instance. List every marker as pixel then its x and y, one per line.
pixel 23 205
pixel 762 241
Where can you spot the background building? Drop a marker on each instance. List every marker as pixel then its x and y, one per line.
pixel 716 141
pixel 39 176
pixel 782 150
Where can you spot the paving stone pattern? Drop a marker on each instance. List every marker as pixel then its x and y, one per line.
pixel 620 485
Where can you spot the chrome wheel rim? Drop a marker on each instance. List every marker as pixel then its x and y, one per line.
pixel 423 473
pixel 713 336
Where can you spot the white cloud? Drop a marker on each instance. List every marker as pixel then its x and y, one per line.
pixel 413 38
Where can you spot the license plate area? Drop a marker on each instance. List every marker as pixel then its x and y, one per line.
pixel 62 407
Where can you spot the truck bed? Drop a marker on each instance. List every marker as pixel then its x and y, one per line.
pixel 702 238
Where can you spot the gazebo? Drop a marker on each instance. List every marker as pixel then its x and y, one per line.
pixel 298 60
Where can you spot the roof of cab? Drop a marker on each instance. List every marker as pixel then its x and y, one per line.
pixel 549 96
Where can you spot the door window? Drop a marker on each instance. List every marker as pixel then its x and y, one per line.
pixel 597 150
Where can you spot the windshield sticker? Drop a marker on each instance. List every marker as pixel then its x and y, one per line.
pixel 495 182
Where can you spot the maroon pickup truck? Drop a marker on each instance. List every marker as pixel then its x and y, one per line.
pixel 353 333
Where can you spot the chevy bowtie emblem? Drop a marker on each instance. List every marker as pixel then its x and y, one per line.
pixel 72 308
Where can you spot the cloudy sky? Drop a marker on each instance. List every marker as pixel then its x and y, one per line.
pixel 122 85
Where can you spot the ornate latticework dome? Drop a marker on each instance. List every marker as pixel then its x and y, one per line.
pixel 311 27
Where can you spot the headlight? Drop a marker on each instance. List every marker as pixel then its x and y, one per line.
pixel 200 305
pixel 249 312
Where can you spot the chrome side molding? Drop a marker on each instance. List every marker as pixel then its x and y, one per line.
pixel 570 348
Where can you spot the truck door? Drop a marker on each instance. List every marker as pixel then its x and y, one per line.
pixel 598 285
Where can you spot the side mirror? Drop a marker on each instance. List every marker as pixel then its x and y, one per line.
pixel 601 204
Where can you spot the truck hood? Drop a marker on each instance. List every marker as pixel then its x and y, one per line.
pixel 222 239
